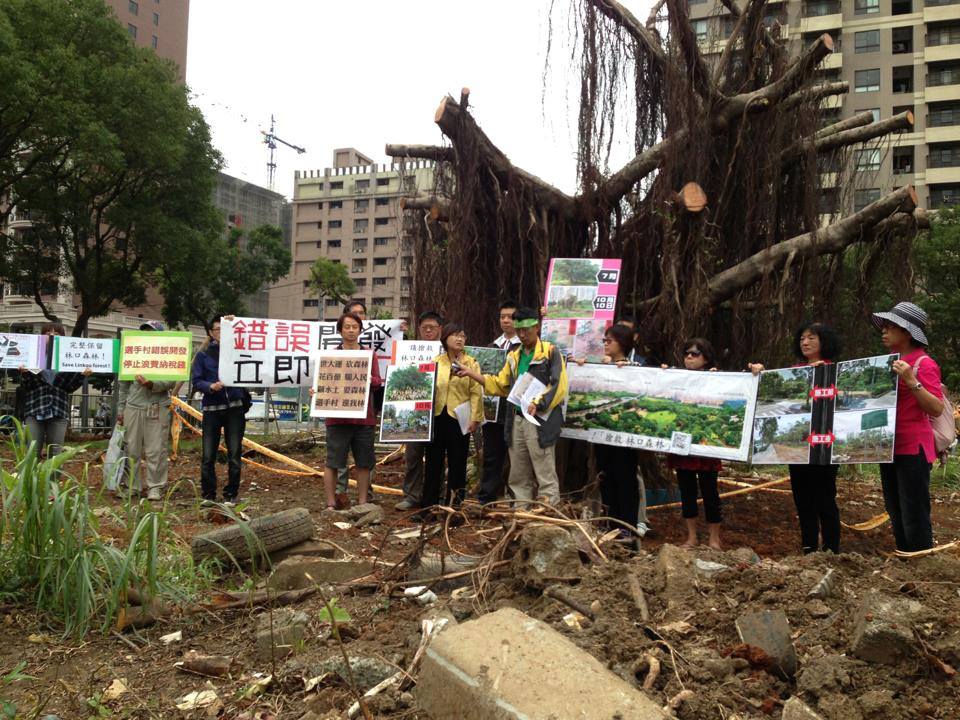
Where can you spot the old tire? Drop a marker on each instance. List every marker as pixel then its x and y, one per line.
pixel 274 532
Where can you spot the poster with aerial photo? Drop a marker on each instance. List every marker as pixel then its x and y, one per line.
pixel 781 439
pixel 408 403
pixel 708 414
pixel 491 361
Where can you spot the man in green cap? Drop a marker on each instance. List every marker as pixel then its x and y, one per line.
pixel 533 470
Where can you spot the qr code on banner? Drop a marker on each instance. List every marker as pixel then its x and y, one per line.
pixel 680 443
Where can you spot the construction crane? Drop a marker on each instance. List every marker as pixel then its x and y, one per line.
pixel 271 140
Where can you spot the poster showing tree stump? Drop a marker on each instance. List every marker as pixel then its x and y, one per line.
pixel 408 403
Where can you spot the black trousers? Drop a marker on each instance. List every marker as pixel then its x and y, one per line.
pixel 233 423
pixel 448 444
pixel 706 480
pixel 494 457
pixel 815 496
pixel 906 495
pixel 619 489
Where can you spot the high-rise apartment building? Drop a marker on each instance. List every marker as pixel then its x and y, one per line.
pixel 350 214
pixel 896 55
pixel 158 24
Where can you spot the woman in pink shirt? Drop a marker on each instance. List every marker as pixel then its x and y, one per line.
pixel 906 481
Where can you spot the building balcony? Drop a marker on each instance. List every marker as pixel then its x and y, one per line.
pixel 935 10
pixel 945 133
pixel 833 61
pixel 937 175
pixel 938 53
pixel 821 23
pixel 832 101
pixel 939 93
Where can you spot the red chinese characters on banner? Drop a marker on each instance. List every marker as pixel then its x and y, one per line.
pixel 292 337
pixel 250 336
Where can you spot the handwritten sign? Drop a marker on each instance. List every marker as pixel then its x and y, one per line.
pixel 75 354
pixel 341 386
pixel 155 355
pixel 376 335
pixel 265 352
pixel 18 349
pixel 414 352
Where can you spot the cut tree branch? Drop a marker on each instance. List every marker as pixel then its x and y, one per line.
pixel 903 121
pixel 830 240
pixel 858 120
pixel 439 208
pixel 817 92
pixel 425 152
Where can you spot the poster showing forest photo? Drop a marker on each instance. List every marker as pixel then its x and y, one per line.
pixel 409 383
pixel 781 439
pixel 571 301
pixel 867 383
pixel 490 359
pixel 784 392
pixel 406 422
pixel 863 437
pixel 648 407
pixel 575 271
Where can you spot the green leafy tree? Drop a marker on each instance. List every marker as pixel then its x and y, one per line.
pixel 124 185
pixel 330 280
pixel 378 312
pixel 937 260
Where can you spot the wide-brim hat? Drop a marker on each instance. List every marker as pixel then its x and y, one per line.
pixel 908 316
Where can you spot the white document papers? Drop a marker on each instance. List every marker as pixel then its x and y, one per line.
pixel 462 411
pixel 524 390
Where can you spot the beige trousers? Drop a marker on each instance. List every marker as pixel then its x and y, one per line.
pixel 533 469
pixel 147 438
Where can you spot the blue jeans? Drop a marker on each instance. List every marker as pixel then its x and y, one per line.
pixel 233 423
pixel 906 494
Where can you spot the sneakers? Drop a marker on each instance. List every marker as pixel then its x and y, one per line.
pixel 231 502
pixel 405 505
pixel 154 495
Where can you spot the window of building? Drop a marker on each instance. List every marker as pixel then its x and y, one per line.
pixel 360 225
pixel 943 35
pixel 311 302
pixel 134 7
pixel 901 7
pixel 319 206
pixel 903 79
pixel 696 2
pixel 867 41
pixel 727 24
pixel 381 301
pixel 336 185
pixel 945 155
pixel 319 224
pixel 862 198
pixel 306 284
pixel 331 302
pixel 700 30
pixel 944 114
pixel 359 266
pixel 335 224
pixel 154 42
pixel 828 203
pixel 902 40
pixel 335 205
pixel 381 221
pixel 362 185
pixel 360 282
pixel 819 8
pixel 156 19
pixel 944 195
pixel 406 282
pixel 382 202
pixel 866 7
pixel 360 206
pixel 380 261
pixel 381 241
pixel 333 243
pixel 406 262
pixel 867 80
pixel 379 281
pixel 132 30
pixel 867 159
pixel 319 243
pixel 360 246
pixel 404 302
pixel 943 75
pixel 383 182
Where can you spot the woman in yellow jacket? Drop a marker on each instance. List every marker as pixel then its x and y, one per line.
pixel 449 441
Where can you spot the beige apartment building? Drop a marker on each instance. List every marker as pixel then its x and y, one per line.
pixel 158 24
pixel 350 214
pixel 896 55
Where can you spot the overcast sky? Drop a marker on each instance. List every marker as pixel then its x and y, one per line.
pixel 362 74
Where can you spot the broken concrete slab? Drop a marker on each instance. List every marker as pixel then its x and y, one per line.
pixel 373 517
pixel 796 709
pixel 292 573
pixel 547 553
pixel 823 675
pixel 506 665
pixel 676 573
pixel 308 548
pixel 281 633
pixel 884 629
pixel 769 630
pixel 708 568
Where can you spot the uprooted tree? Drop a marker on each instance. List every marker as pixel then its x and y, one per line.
pixel 719 217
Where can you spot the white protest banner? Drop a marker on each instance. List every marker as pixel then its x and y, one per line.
pixel 18 349
pixel 415 352
pixel 706 414
pixel 267 352
pixel 75 354
pixel 376 335
pixel 341 387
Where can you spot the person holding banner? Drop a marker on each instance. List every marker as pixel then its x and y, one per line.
pixel 346 434
pixel 47 401
pixel 698 354
pixel 359 308
pixel 458 402
pixel 145 413
pixel 814 487
pixel 906 481
pixel 224 409
pixel 533 470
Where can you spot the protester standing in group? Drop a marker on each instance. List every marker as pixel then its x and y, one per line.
pixel 429 324
pixel 47 400
pixel 358 308
pixel 348 434
pixel 224 409
pixel 814 487
pixel 145 414
pixel 693 472
pixel 449 442
pixel 494 445
pixel 906 481
pixel 533 470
